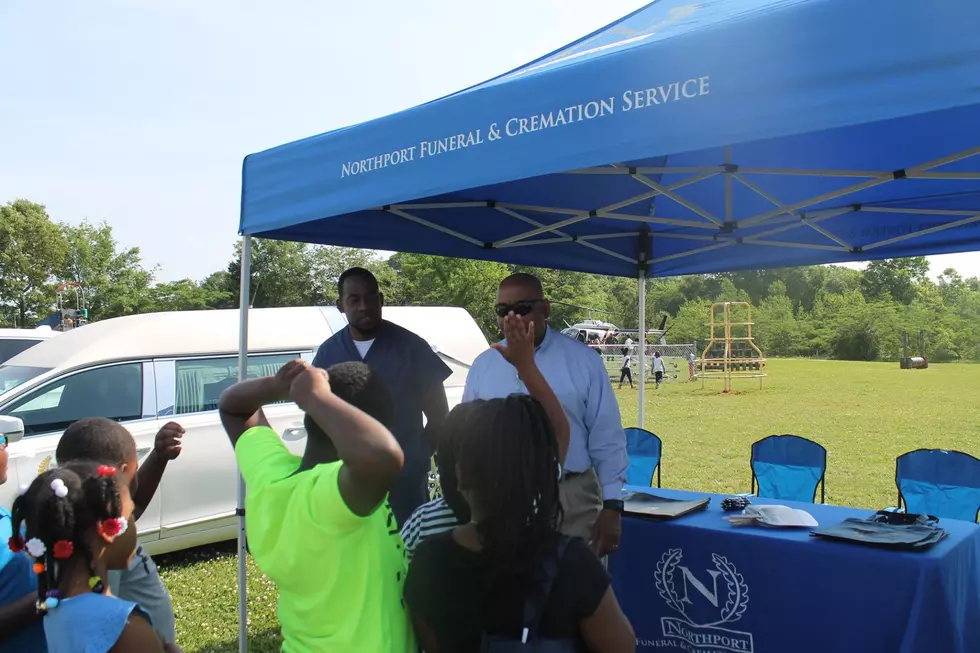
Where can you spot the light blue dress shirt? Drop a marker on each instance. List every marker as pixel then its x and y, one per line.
pixel 578 376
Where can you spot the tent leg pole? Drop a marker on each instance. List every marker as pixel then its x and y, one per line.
pixel 642 337
pixel 246 273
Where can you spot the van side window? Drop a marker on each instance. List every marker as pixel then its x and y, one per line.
pixel 114 391
pixel 201 381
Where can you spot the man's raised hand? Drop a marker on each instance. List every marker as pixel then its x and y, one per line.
pixel 519 350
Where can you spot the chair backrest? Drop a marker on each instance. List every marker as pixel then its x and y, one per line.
pixel 945 484
pixel 788 467
pixel 644 450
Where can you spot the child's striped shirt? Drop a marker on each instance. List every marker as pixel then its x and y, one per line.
pixel 428 519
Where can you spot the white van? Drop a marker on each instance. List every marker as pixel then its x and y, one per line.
pixel 14 341
pixel 145 370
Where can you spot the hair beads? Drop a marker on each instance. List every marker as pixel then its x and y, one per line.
pixel 63 549
pixel 54 521
pixel 59 488
pixel 51 600
pixel 110 529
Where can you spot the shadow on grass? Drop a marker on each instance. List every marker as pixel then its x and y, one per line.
pixel 207 553
pixel 264 641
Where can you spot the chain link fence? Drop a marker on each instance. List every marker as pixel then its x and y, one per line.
pixel 676 357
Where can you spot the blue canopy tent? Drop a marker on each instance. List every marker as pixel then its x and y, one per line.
pixel 687 137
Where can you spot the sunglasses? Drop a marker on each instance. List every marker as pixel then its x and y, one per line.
pixel 521 308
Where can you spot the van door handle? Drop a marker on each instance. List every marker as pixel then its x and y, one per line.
pixel 293 434
pixel 143 452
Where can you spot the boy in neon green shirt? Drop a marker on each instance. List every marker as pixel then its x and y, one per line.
pixel 319 526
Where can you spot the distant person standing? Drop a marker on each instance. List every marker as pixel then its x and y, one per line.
pixel 625 373
pixel 596 344
pixel 691 359
pixel 411 369
pixel 658 368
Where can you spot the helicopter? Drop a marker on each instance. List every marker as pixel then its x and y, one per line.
pixel 587 329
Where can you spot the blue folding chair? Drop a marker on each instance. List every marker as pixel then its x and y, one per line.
pixel 644 449
pixel 944 484
pixel 788 467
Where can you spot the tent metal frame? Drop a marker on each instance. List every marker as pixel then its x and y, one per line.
pixel 719 233
pixel 790 216
pixel 244 290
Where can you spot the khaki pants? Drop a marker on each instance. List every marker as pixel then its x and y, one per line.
pixel 581 500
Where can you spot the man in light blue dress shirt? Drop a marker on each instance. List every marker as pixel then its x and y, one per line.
pixel 595 468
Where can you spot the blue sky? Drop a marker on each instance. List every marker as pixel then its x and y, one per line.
pixel 139 112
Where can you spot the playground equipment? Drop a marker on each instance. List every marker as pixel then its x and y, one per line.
pixel 731 352
pixel 69 318
pixel 919 362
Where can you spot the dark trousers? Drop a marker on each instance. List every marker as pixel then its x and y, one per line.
pixel 626 375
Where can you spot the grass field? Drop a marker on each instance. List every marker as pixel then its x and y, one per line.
pixel 865 414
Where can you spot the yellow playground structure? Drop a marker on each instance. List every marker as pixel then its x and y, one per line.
pixel 731 352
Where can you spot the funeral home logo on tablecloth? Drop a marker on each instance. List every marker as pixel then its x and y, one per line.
pixel 706 601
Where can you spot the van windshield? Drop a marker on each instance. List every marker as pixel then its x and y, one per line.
pixel 11 347
pixel 12 376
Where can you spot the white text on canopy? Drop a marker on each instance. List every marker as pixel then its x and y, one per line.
pixel 630 100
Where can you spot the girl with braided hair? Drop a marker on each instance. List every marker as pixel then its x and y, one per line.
pixel 468 586
pixel 75 523
pixel 445 513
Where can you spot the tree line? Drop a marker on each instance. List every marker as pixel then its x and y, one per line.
pixel 817 311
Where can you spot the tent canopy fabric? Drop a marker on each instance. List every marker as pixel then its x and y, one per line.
pixel 691 136
pixel 687 137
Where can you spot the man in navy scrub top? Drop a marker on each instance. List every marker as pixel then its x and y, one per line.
pixel 413 371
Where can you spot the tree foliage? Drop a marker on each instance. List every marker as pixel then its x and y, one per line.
pixel 113 282
pixel 32 251
pixel 439 281
pixel 821 311
pixel 897 279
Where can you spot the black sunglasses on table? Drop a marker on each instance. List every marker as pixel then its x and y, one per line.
pixel 521 308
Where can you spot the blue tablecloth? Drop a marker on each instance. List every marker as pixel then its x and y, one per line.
pixel 700 585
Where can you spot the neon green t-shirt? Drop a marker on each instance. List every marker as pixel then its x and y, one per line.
pixel 339 575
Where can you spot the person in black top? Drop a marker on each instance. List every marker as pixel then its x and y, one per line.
pixel 473 580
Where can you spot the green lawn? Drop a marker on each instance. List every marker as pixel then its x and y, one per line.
pixel 865 414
